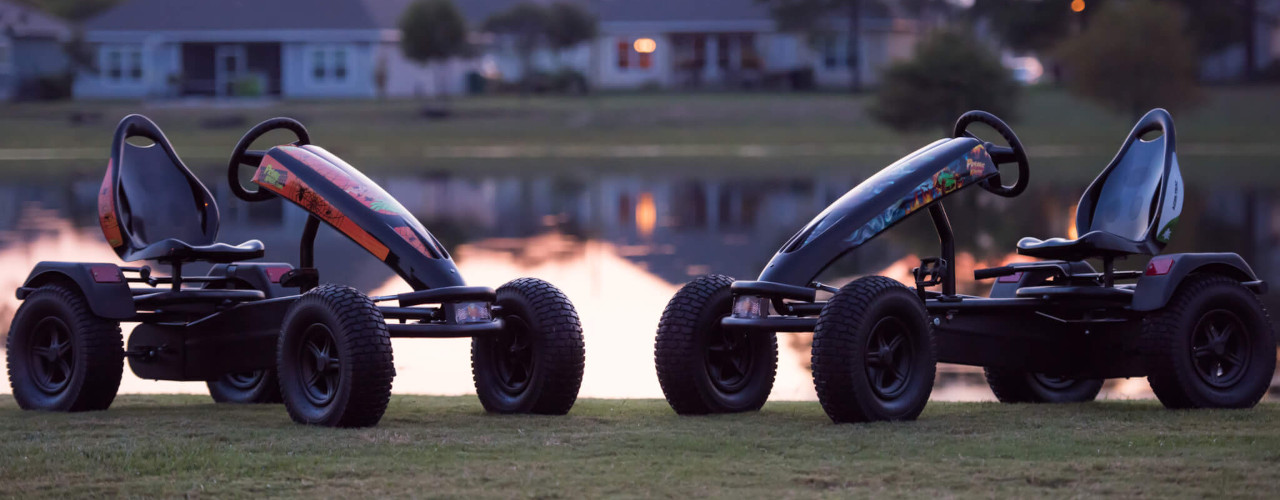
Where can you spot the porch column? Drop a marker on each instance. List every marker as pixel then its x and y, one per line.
pixel 711 68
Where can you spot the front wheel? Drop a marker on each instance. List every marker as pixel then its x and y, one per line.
pixel 873 353
pixel 1211 346
pixel 1013 386
pixel 254 387
pixel 61 357
pixel 334 359
pixel 704 368
pixel 535 364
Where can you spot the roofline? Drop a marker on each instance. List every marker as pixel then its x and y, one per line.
pixel 219 35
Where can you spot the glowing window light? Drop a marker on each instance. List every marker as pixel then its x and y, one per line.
pixel 646 214
pixel 645 45
pixel 1077 5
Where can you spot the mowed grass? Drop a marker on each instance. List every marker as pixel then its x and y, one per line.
pixel 447 447
pixel 1230 135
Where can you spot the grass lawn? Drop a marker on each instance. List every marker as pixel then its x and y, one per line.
pixel 741 133
pixel 447 447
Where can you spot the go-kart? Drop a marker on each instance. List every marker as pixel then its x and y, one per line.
pixel 265 332
pixel 1050 331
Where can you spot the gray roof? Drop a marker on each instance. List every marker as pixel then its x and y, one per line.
pixel 680 10
pixel 26 21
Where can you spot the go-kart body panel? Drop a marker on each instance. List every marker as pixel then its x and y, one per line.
pixel 338 194
pixel 901 189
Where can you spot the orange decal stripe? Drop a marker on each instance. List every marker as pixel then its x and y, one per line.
pixel 274 177
pixel 107 209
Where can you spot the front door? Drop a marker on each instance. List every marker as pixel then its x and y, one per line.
pixel 229 66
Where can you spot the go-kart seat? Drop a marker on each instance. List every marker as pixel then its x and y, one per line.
pixel 153 208
pixel 1131 207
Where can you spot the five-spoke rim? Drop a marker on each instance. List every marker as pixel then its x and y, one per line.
pixel 513 352
pixel 321 367
pixel 729 359
pixel 52 355
pixel 1220 348
pixel 888 358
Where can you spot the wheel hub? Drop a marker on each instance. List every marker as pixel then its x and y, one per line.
pixel 888 359
pixel 1220 348
pixel 729 360
pixel 51 357
pixel 514 354
pixel 321 368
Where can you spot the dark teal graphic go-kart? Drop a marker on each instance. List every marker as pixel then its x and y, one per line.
pixel 1050 330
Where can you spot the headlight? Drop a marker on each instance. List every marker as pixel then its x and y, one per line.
pixel 472 312
pixel 751 307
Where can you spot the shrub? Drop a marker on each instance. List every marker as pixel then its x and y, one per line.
pixel 950 73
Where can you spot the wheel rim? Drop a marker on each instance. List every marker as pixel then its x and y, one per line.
pixel 1053 382
pixel 729 359
pixel 244 380
pixel 321 367
pixel 513 353
pixel 51 358
pixel 1220 348
pixel 888 359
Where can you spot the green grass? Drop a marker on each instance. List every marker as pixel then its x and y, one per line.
pixel 392 136
pixel 447 447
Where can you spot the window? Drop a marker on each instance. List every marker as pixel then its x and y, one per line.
pixel 122 64
pixel 6 57
pixel 624 54
pixel 829 56
pixel 646 60
pixel 329 65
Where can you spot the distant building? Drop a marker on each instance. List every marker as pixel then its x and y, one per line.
pixel 350 49
pixel 722 43
pixel 32 49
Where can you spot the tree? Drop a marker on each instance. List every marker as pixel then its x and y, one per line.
pixel 528 24
pixel 811 16
pixel 73 10
pixel 950 73
pixel 569 25
pixel 1133 56
pixel 432 30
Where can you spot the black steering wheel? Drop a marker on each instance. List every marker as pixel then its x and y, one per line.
pixel 999 154
pixel 242 155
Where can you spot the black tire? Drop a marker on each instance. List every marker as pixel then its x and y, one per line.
pixel 61 357
pixel 1187 369
pixel 858 382
pixel 535 365
pixel 703 368
pixel 255 387
pixel 1013 386
pixel 349 389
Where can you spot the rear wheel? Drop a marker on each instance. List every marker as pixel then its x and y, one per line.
pixel 334 359
pixel 61 357
pixel 704 368
pixel 873 353
pixel 535 364
pixel 1013 386
pixel 1211 346
pixel 246 388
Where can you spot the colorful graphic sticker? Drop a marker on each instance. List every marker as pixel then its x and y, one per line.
pixel 299 192
pixel 107 208
pixel 970 167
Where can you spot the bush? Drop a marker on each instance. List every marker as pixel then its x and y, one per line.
pixel 950 73
pixel 1133 56
pixel 248 86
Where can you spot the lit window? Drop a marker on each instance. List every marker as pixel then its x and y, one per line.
pixel 646 60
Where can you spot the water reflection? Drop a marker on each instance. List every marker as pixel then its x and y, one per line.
pixel 620 246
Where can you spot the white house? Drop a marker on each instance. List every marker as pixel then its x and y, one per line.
pixel 285 48
pixel 31 49
pixel 350 48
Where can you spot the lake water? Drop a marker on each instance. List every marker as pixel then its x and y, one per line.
pixel 620 245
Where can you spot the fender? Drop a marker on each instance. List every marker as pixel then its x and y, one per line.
pixel 102 284
pixel 1156 287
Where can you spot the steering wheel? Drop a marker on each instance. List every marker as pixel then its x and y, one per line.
pixel 999 154
pixel 242 155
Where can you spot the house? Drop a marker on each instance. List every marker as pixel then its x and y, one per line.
pixel 350 49
pixel 280 48
pixel 32 51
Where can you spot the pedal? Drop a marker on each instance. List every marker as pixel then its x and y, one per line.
pixel 930 272
pixel 303 279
